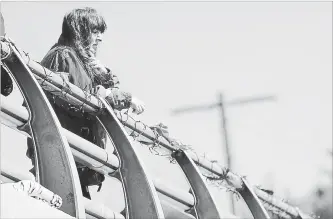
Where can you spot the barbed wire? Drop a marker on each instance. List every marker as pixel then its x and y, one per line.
pixel 219 181
pixel 278 212
pixel 153 145
pixel 160 131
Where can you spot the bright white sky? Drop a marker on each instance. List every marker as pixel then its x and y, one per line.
pixel 172 54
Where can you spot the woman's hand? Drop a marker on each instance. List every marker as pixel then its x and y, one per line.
pixel 101 91
pixel 137 105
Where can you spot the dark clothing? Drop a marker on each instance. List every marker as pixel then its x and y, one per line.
pixel 63 60
pixel 6 83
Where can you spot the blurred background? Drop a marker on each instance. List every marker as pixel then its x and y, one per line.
pixel 183 54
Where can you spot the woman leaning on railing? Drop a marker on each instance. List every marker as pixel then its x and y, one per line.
pixel 74 57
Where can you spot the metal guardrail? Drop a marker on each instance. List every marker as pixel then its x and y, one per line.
pixel 92 104
pixel 91 154
pixel 76 96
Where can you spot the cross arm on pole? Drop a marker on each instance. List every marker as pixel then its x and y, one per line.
pixel 248 100
pixel 194 108
pixel 239 101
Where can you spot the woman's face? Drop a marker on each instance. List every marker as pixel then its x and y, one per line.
pixel 96 38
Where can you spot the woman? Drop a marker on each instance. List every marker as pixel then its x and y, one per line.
pixel 74 56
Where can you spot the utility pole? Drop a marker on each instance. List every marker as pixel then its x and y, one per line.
pixel 221 104
pixel 225 131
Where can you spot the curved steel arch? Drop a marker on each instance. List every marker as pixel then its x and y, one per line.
pixel 140 194
pixel 56 169
pixel 204 206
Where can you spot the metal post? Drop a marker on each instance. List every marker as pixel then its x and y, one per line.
pixel 225 139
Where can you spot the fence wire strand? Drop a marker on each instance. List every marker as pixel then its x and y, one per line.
pixel 75 104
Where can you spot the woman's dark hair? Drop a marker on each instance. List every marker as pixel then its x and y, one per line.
pixel 77 27
pixel 80 23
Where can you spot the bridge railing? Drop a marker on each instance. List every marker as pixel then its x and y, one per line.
pixel 87 153
pixel 92 156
